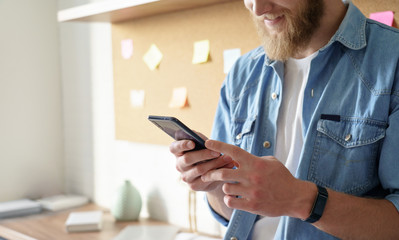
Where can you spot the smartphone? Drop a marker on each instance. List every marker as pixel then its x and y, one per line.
pixel 177 130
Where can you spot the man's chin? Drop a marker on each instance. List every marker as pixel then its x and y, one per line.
pixel 278 51
pixel 270 31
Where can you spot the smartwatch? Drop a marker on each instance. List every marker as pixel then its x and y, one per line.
pixel 318 205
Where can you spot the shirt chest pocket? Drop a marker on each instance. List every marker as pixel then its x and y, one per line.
pixel 243 132
pixel 345 155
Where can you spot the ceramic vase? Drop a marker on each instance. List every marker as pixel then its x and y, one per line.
pixel 127 204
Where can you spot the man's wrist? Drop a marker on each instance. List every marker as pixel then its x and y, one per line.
pixel 215 201
pixel 307 192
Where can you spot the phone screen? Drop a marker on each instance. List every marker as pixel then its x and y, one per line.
pixel 177 130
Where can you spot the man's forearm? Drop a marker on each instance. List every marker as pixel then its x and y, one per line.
pixel 215 199
pixel 350 217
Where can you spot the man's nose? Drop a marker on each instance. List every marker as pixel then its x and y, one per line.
pixel 260 7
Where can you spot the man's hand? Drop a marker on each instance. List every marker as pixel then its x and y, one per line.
pixel 192 165
pixel 261 185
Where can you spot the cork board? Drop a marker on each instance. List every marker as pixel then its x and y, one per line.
pixel 371 6
pixel 226 26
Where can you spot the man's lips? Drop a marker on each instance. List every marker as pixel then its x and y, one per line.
pixel 273 19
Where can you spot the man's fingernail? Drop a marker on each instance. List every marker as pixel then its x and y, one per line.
pixel 215 154
pixel 190 145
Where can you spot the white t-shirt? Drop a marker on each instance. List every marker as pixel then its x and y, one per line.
pixel 289 130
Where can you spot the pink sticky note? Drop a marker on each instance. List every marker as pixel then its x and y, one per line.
pixel 383 17
pixel 127 48
pixel 179 98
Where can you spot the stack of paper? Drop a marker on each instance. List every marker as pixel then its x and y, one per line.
pixel 19 208
pixel 84 221
pixel 60 202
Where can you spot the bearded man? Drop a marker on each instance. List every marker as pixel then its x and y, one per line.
pixel 310 120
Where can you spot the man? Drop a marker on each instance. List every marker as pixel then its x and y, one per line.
pixel 310 121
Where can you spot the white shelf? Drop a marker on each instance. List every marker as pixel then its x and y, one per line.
pixel 123 10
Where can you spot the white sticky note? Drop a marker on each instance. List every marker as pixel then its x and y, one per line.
pixel 179 98
pixel 127 48
pixel 201 51
pixel 137 98
pixel 153 57
pixel 230 56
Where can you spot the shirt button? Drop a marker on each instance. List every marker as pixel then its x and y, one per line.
pixel 348 137
pixel 239 136
pixel 266 144
pixel 274 96
pixel 233 238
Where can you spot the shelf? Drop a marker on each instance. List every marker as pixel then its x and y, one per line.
pixel 122 10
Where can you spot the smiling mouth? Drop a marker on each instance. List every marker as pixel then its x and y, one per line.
pixel 272 19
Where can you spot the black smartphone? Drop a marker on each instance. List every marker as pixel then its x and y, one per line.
pixel 177 130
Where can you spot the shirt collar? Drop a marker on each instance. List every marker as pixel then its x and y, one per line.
pixel 351 33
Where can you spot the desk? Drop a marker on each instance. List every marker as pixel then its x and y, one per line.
pixel 50 226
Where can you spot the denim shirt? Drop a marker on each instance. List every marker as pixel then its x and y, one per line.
pixel 350 117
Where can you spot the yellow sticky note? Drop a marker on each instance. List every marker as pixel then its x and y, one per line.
pixel 153 57
pixel 201 51
pixel 179 98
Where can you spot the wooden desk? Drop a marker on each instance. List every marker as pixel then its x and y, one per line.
pixel 50 226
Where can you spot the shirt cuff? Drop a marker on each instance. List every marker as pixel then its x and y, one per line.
pixel 216 215
pixel 394 198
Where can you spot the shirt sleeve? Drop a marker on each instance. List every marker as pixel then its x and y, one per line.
pixel 221 129
pixel 389 161
pixel 221 132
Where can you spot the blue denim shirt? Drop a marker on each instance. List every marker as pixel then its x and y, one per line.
pixel 350 117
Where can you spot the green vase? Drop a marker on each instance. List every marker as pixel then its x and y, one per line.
pixel 127 205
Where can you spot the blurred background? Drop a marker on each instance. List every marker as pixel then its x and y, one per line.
pixel 58 115
pixel 57 121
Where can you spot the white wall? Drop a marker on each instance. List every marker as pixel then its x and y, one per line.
pixel 31 155
pixel 77 107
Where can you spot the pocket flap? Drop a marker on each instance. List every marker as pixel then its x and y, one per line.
pixel 352 132
pixel 242 128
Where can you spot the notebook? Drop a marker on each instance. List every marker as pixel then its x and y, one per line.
pixel 84 221
pixel 61 202
pixel 19 208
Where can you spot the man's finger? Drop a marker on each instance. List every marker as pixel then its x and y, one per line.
pixel 235 202
pixel 234 152
pixel 234 189
pixel 179 147
pixel 222 174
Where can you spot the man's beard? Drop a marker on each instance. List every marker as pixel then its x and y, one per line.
pixel 298 30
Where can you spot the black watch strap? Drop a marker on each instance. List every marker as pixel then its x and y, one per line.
pixel 318 205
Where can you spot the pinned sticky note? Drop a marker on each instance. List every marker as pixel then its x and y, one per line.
pixel 230 56
pixel 153 57
pixel 179 98
pixel 127 48
pixel 137 98
pixel 201 51
pixel 386 17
